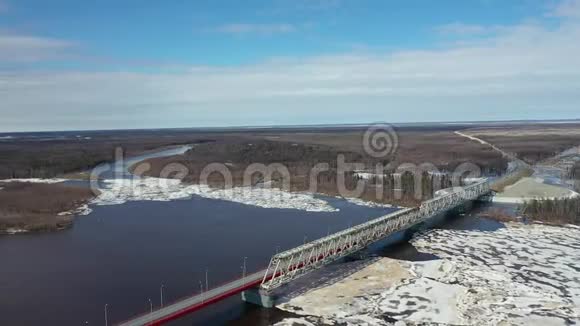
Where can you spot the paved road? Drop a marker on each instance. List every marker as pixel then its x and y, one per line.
pixel 197 301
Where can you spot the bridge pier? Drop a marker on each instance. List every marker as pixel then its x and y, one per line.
pixel 258 297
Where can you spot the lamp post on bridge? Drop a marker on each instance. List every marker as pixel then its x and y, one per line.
pixel 206 282
pixel 150 305
pixel 201 292
pixel 106 317
pixel 161 293
pixel 244 268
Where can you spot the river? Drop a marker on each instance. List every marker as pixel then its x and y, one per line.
pixel 120 255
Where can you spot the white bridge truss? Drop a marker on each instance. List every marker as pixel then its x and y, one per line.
pixel 291 264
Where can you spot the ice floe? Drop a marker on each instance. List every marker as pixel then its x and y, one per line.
pixel 518 275
pixel 296 322
pixel 522 274
pixel 35 180
pixel 118 191
pixel 361 202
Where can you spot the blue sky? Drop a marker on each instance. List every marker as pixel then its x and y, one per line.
pixel 148 64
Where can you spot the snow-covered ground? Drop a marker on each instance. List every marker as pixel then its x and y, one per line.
pixel 14 231
pixel 118 191
pixel 518 275
pixel 530 188
pixel 82 210
pixel 366 175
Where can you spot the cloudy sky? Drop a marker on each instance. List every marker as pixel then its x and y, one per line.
pixel 69 64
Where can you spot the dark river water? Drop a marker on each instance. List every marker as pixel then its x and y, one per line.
pixel 121 255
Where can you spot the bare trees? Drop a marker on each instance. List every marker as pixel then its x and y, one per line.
pixel 566 211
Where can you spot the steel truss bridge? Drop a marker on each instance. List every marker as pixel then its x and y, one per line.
pixel 289 265
pixel 286 266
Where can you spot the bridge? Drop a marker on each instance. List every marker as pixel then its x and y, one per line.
pixel 286 266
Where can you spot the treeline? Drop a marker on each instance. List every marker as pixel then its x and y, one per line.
pixel 52 158
pixel 560 211
pixel 50 163
pixel 302 162
pixel 575 172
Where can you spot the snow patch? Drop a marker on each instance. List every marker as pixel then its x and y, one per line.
pixel 366 175
pixel 14 231
pixel 81 210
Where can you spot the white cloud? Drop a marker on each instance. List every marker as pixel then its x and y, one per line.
pixel 525 70
pixel 23 48
pixel 260 29
pixel 566 8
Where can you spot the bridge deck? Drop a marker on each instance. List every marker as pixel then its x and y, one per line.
pixel 198 301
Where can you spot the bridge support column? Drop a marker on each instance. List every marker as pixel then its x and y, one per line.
pixel 258 297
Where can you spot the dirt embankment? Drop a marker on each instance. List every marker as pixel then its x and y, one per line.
pixel 36 207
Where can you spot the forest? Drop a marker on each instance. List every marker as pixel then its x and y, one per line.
pixel 35 207
pixel 48 157
pixel 301 162
pixel 556 211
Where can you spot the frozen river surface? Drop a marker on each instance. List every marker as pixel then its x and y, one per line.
pixel 517 275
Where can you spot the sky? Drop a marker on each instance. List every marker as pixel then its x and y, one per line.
pixel 121 64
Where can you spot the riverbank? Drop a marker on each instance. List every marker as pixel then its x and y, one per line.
pixel 40 207
pixel 51 204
